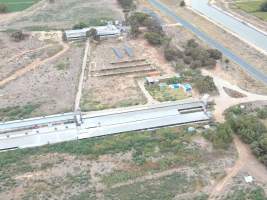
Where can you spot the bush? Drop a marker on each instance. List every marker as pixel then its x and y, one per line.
pixel 182 3
pixel 92 33
pixel 81 25
pixel 18 36
pixel 139 17
pixel 209 63
pixel 196 64
pixel 262 113
pixel 3 8
pixel 153 25
pixel 126 4
pixel 221 137
pixel 154 38
pixel 215 54
pixel 192 43
pixel 172 53
pixel 187 60
pixel 205 84
pixel 263 7
pixel 248 127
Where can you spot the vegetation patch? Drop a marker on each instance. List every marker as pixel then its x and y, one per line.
pixel 254 193
pixel 165 188
pixel 247 124
pixel 17 5
pixel 18 112
pixel 257 8
pixel 166 93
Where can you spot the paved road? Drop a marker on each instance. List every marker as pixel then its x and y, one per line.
pixel 211 42
pixel 108 122
pixel 249 34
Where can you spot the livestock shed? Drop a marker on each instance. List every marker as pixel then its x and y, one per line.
pixel 102 31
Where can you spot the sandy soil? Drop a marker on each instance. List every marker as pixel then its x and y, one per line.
pixel 47 85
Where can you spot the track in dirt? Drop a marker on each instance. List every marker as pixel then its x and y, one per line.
pixel 32 66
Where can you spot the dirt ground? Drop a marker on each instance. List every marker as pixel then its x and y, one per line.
pixel 119 90
pixel 63 14
pixel 43 71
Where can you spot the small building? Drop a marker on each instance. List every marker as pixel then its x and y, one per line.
pixel 151 80
pixel 79 34
pixel 102 31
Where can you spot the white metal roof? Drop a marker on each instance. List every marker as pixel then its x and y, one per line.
pixel 101 31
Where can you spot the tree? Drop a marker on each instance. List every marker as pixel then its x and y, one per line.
pixel 196 64
pixel 139 17
pixel 18 36
pixel 263 7
pixel 3 8
pixel 192 43
pixel 215 54
pixel 154 38
pixel 92 33
pixel 205 84
pixel 153 25
pixel 182 3
pixel 172 54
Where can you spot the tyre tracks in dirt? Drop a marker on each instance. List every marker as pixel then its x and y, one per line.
pixel 33 65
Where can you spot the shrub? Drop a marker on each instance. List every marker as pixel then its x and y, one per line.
pixel 154 38
pixel 196 64
pixel 205 84
pixel 92 33
pixel 126 4
pixel 153 25
pixel 192 43
pixel 209 62
pixel 172 53
pixel 182 3
pixel 263 7
pixel 81 25
pixel 215 54
pixel 3 8
pixel 138 17
pixel 187 60
pixel 221 137
pixel 18 36
pixel 262 113
pixel 248 127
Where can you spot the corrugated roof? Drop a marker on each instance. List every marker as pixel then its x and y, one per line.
pixel 101 31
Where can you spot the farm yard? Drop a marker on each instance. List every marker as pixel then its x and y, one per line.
pixel 35 81
pixel 64 14
pixel 113 73
pixel 18 5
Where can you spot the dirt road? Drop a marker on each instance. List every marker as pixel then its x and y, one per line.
pixel 247 162
pixel 81 80
pixel 224 101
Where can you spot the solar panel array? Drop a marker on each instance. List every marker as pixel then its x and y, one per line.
pixel 129 51
pixel 117 53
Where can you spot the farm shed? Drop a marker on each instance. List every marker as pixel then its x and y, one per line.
pixel 102 31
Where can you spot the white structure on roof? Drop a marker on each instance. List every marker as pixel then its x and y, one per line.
pixel 102 31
